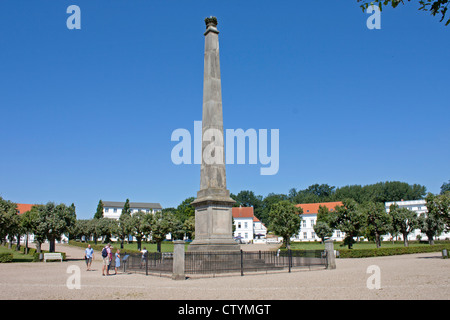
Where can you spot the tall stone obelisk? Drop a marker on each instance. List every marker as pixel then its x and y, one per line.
pixel 213 217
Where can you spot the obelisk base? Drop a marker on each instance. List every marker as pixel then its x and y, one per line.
pixel 213 226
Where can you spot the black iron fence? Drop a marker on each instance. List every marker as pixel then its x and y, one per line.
pixel 213 263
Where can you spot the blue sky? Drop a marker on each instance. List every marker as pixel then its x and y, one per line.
pixel 88 114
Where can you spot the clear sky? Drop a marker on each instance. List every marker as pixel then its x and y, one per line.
pixel 88 114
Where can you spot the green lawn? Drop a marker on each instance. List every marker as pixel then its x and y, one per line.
pixel 18 256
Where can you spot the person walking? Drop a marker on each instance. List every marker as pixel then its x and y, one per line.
pixel 88 256
pixel 117 262
pixel 106 255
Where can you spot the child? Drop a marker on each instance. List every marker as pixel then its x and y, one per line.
pixel 117 262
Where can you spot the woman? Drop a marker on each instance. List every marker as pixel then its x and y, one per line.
pixel 117 262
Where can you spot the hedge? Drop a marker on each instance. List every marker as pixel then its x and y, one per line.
pixel 378 252
pixel 6 257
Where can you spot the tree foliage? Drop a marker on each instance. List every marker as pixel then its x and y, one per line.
pixel 285 219
pixel 434 7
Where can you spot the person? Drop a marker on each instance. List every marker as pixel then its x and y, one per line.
pixel 106 255
pixel 144 257
pixel 88 256
pixel 117 262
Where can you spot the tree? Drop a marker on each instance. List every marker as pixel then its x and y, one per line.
pixel 185 210
pixel 322 227
pixel 377 221
pixel 126 208
pixel 271 199
pixel 99 212
pixel 8 220
pixel 161 225
pixel 349 218
pixel 28 221
pixel 285 219
pixel 124 227
pixel 52 222
pixel 435 7
pixel 140 226
pixel 438 207
pixel 403 221
pixel 445 187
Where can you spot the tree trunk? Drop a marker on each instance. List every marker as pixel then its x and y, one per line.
pixel 405 239
pixel 158 246
pixel 51 245
pixel 377 240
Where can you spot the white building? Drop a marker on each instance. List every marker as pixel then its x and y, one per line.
pixel 248 227
pixel 113 209
pixel 309 218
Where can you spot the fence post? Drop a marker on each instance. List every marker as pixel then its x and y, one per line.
pixel 242 263
pixel 289 259
pixel 178 260
pixel 329 248
pixel 146 263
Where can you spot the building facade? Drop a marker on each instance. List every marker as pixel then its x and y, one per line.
pixel 248 228
pixel 309 219
pixel 113 209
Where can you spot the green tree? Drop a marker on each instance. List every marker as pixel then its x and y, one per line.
pixel 8 219
pixel 445 187
pixel 124 227
pixel 378 222
pixel 99 212
pixel 185 210
pixel 438 207
pixel 52 222
pixel 140 226
pixel 349 218
pixel 189 227
pixel 404 221
pixel 435 7
pixel 161 225
pixel 323 227
pixel 126 208
pixel 285 219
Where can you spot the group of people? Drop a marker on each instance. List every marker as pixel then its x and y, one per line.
pixel 107 257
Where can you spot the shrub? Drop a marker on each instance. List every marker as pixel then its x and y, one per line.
pixel 378 252
pixel 6 257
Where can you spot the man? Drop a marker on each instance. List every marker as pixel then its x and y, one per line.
pixel 106 255
pixel 88 256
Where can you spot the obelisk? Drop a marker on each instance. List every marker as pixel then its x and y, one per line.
pixel 213 217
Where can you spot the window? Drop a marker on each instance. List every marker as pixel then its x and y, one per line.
pixel 304 223
pixel 246 235
pixel 338 234
pixel 245 225
pixel 106 209
pixel 312 222
pixel 239 225
pixel 305 235
pixel 115 210
pixel 313 235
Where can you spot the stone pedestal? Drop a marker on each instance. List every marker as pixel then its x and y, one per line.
pixel 329 248
pixel 178 260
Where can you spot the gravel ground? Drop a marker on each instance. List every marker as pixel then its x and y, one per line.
pixel 416 276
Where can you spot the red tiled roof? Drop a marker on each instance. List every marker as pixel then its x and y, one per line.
pixel 242 212
pixel 23 207
pixel 313 208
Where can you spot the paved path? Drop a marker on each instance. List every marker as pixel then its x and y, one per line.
pixel 415 276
